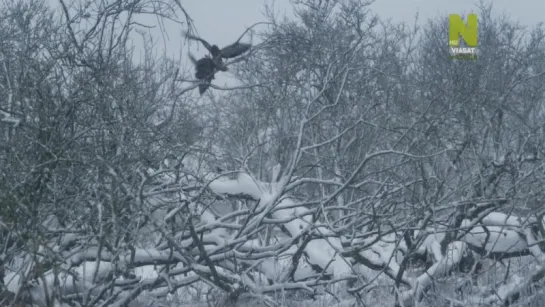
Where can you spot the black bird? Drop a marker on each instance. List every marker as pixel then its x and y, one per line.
pixel 208 66
pixel 235 49
pixel 205 71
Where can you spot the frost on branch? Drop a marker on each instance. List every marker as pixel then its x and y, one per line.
pixel 346 175
pixel 273 243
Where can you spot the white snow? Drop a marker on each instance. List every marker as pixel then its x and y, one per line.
pixel 501 239
pixel 501 219
pixel 453 256
pixel 498 232
pixel 244 184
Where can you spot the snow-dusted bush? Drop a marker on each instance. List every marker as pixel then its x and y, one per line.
pixel 352 167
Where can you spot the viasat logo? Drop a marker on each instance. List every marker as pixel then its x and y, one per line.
pixel 468 32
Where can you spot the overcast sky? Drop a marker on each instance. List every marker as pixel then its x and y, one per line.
pixel 222 21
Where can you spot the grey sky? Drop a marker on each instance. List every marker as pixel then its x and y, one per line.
pixel 222 21
pixel 528 12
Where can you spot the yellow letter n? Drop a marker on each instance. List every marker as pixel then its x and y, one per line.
pixel 458 28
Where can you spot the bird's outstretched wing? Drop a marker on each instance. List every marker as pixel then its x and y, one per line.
pixel 205 43
pixel 234 50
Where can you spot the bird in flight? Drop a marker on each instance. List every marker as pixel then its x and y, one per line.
pixel 207 67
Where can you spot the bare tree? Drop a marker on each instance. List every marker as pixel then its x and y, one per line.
pixel 82 123
pixel 381 138
pixel 354 153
